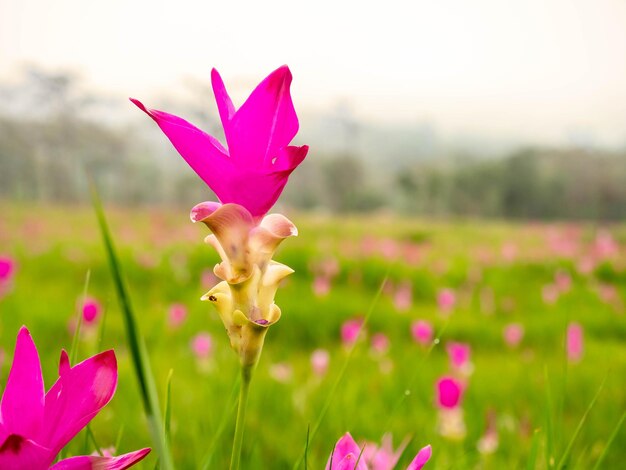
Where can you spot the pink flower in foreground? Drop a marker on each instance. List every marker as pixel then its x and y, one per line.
pixel 446 300
pixel 574 342
pixel 513 334
pixel 253 168
pixel 35 426
pixel 422 332
pixel 346 454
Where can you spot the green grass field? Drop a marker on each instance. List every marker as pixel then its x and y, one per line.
pixel 498 272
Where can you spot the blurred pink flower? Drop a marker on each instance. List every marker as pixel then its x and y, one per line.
pixel 208 279
pixel 281 372
pixel 346 454
pixel 253 170
pixel 586 265
pixel 320 359
pixel 574 342
pixel 459 355
pixel 446 300
pixel 403 297
pixel 389 248
pixel 91 310
pixel 321 286
pixel 350 331
pixel 202 345
pixel 513 333
pixel 449 392
pixel 422 332
pixel 176 315
pixel 380 343
pixel 489 441
pixel 605 246
pixel 35 426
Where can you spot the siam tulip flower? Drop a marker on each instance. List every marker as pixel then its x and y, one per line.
pixel 446 300
pixel 35 426
pixel 459 355
pixel 346 454
pixel 513 334
pixel 250 278
pixel 403 297
pixel 450 420
pixel 253 168
pixel 320 359
pixel 380 343
pixel 202 345
pixel 422 332
pixel 562 281
pixel 350 331
pixel 176 315
pixel 281 372
pixel 605 246
pixel 574 342
pixel 321 286
pixel 91 310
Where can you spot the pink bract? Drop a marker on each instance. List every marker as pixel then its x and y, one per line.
pixel 422 332
pixel 449 392
pixel 574 342
pixel 253 168
pixel 35 426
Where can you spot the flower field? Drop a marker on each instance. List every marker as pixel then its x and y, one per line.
pixel 527 321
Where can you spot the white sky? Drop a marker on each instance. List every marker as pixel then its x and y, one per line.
pixel 533 69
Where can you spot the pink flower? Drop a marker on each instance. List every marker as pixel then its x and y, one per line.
pixel 321 286
pixel 346 454
pixel 550 294
pixel 281 372
pixel 202 345
pixel 513 334
pixel 403 297
pixel 449 392
pixel 380 343
pixel 459 354
pixel 35 426
pixel 422 332
pixel 91 310
pixel 574 342
pixel 320 359
pixel 176 315
pixel 7 269
pixel 446 300
pixel 562 281
pixel 253 170
pixel 350 331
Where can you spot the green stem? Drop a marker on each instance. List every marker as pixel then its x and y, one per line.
pixel 246 377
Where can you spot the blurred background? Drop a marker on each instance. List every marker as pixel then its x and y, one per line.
pixel 484 108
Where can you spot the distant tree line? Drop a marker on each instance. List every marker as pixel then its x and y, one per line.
pixel 50 140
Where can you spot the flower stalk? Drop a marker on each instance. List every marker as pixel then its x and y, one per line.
pixel 244 388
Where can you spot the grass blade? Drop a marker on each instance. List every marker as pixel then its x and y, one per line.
pixel 136 345
pixel 609 442
pixel 79 322
pixel 168 406
pixel 549 426
pixel 531 463
pixel 568 449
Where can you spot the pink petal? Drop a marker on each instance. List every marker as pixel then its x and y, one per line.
pixel 19 453
pixel 90 462
pixel 202 152
pixel 76 398
pixel 265 123
pixel 345 450
pixel 224 104
pixel 420 459
pixel 22 406
pixel 289 158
